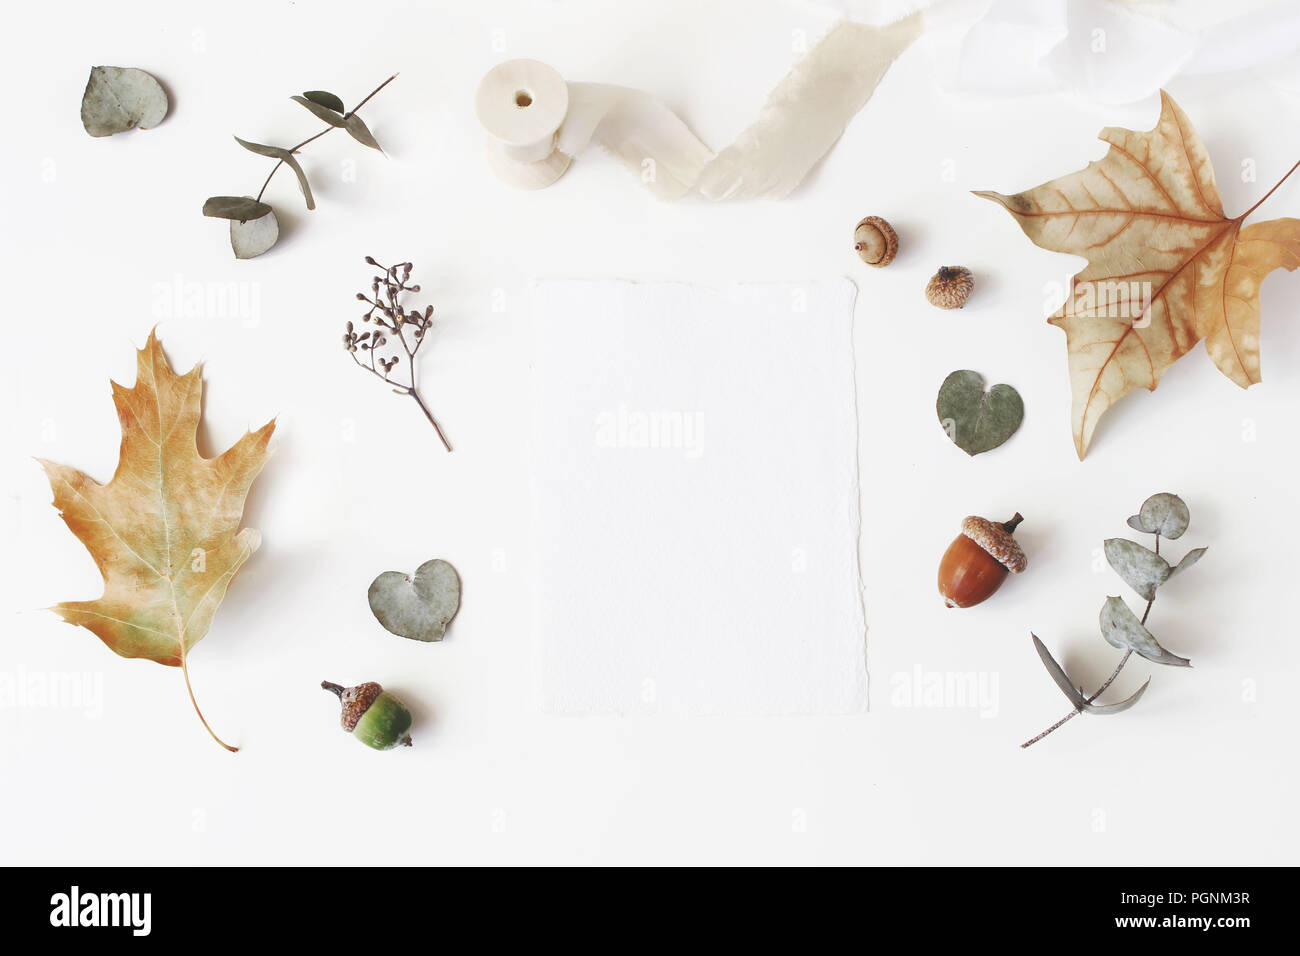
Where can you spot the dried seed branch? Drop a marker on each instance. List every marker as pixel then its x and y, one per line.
pixel 392 323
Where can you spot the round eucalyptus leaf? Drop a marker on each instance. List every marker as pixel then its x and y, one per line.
pixel 327 100
pixel 1141 568
pixel 1164 514
pixel 119 98
pixel 975 420
pixel 252 238
pixel 235 207
pixel 1121 628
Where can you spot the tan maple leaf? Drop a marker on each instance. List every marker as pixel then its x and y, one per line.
pixel 1166 268
pixel 164 531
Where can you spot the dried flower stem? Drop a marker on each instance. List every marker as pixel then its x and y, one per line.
pixel 1102 689
pixel 327 129
pixel 391 319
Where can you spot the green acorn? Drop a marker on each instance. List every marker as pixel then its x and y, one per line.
pixel 375 717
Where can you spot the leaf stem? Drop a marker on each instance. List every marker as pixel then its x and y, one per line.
pixel 185 669
pixel 1270 192
pixel 327 129
pixel 369 96
pixel 429 415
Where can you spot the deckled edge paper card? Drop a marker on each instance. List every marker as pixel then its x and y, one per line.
pixel 697 512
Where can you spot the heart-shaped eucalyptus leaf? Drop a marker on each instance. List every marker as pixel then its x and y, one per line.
pixel 118 98
pixel 1122 629
pixel 253 237
pixel 1141 568
pixel 975 420
pixel 1164 514
pixel 419 607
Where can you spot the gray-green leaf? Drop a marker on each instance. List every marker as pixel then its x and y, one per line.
pixel 418 606
pixel 117 98
pixel 1141 568
pixel 1103 710
pixel 1062 679
pixel 1121 628
pixel 327 100
pixel 252 238
pixel 975 420
pixel 286 157
pixel 360 132
pixel 1190 558
pixel 1164 514
pixel 240 208
pixel 321 112
pixel 1074 694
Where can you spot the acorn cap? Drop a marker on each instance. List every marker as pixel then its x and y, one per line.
pixel 356 701
pixel 950 287
pixel 997 540
pixel 875 241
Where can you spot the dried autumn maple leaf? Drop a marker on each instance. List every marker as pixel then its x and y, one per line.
pixel 1165 270
pixel 164 531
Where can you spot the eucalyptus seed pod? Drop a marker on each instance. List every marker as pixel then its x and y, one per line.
pixel 375 717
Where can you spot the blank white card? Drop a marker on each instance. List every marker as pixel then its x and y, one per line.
pixel 696 488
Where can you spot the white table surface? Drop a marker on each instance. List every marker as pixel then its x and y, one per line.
pixel 99 234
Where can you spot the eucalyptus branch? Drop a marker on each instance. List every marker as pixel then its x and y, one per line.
pixel 393 327
pixel 1145 571
pixel 253 226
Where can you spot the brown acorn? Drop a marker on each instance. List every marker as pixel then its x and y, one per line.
pixel 875 241
pixel 950 287
pixel 977 562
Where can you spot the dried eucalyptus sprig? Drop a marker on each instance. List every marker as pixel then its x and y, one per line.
pixel 253 226
pixel 392 322
pixel 1144 570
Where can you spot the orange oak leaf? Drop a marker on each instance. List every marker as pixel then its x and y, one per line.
pixel 1166 268
pixel 164 531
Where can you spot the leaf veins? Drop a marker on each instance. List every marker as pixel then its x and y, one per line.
pixel 164 532
pixel 1166 268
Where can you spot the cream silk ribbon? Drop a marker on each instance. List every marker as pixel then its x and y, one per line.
pixel 537 122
